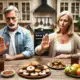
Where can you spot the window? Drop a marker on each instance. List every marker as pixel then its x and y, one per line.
pixel 25 11
pixel 71 5
pixel 1 11
pixel 75 9
pixel 14 3
pixel 63 6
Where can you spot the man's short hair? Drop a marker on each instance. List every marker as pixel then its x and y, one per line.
pixel 10 8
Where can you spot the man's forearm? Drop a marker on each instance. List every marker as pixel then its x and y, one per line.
pixel 19 56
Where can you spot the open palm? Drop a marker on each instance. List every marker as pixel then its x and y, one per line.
pixel 3 47
pixel 45 42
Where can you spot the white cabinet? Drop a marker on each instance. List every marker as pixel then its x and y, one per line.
pixel 25 11
pixel 72 6
pixel 1 10
pixel 24 7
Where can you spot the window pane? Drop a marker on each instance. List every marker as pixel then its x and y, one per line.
pixel 26 11
pixel 73 4
pixel 62 9
pixel 77 16
pixel 1 16
pixel 62 4
pixel 16 4
pixel 28 17
pixel 23 7
pixel 66 4
pixel 23 17
pixel 66 8
pixel 27 7
pixel 77 4
pixel 77 9
pixel 73 9
pixel 74 17
pixel 1 9
pixel 10 3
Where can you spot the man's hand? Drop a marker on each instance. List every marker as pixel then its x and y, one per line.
pixel 8 57
pixel 3 46
pixel 16 57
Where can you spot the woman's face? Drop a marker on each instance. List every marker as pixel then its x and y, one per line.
pixel 63 22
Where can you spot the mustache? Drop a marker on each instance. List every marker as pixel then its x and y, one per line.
pixel 11 24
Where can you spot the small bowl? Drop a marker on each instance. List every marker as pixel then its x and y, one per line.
pixel 7 73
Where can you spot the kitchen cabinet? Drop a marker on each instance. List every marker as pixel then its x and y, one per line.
pixel 24 7
pixel 1 10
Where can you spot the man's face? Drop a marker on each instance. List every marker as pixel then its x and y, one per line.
pixel 11 20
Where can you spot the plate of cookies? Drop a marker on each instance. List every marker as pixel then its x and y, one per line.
pixel 34 71
pixel 56 65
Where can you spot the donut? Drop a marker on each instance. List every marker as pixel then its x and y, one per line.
pixel 42 73
pixel 47 70
pixel 34 74
pixel 25 66
pixel 37 70
pixel 20 71
pixel 45 67
pixel 30 68
pixel 25 73
pixel 35 63
pixel 39 67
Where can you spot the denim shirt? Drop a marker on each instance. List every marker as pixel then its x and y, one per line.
pixel 23 41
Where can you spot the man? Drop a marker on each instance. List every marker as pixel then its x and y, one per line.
pixel 17 39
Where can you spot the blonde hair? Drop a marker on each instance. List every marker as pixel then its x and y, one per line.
pixel 71 24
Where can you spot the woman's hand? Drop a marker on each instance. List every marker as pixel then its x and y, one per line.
pixel 63 56
pixel 3 46
pixel 45 42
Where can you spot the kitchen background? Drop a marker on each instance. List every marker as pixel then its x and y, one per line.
pixel 40 15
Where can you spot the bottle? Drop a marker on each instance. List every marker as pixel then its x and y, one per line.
pixel 74 60
pixel 2 60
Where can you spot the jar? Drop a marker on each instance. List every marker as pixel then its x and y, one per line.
pixel 74 60
pixel 2 60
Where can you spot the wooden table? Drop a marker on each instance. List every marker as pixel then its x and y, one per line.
pixel 55 74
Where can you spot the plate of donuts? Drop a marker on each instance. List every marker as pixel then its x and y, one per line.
pixel 56 65
pixel 34 71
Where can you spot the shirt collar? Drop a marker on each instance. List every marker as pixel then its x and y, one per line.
pixel 18 30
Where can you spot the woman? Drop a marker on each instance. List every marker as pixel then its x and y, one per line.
pixel 63 42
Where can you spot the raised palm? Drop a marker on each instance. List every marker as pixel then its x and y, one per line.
pixel 45 42
pixel 3 47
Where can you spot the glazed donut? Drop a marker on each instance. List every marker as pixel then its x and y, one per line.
pixel 25 73
pixel 30 68
pixel 20 71
pixel 45 67
pixel 42 73
pixel 35 63
pixel 39 67
pixel 47 70
pixel 37 70
pixel 34 74
pixel 25 66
